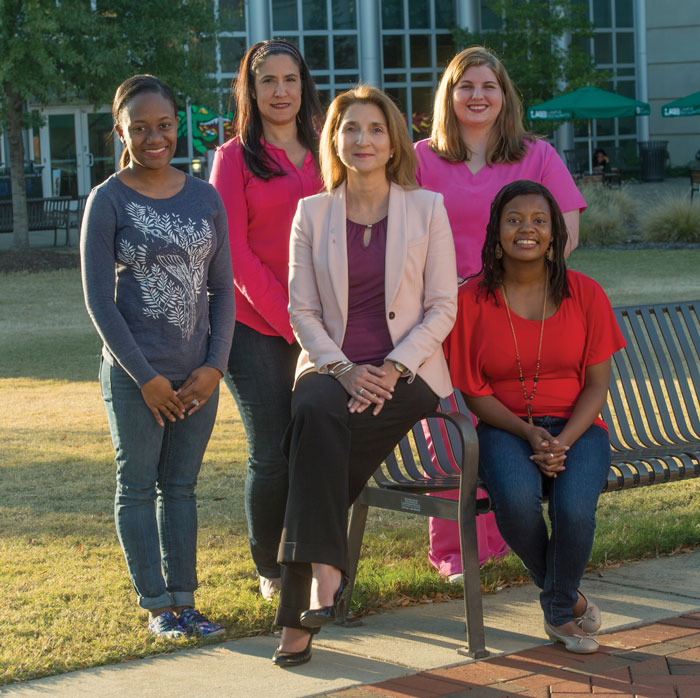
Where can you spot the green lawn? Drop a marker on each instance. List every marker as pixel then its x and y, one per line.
pixel 67 599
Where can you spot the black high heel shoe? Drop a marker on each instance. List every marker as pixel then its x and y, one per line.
pixel 288 659
pixel 318 617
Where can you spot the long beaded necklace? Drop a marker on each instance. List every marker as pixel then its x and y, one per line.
pixel 531 396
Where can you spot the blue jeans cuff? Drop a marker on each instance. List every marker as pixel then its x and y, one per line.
pixel 151 602
pixel 182 598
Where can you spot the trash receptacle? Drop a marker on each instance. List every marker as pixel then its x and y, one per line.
pixel 653 156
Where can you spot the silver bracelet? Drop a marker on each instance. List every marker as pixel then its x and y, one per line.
pixel 338 373
pixel 336 366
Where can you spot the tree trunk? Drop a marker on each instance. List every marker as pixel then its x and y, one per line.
pixel 20 218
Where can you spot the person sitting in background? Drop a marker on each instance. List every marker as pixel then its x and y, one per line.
pixel 601 162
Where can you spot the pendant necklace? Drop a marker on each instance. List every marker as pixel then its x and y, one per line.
pixel 367 237
pixel 531 396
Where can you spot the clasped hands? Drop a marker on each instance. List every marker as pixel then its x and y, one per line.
pixel 163 401
pixel 548 452
pixel 369 385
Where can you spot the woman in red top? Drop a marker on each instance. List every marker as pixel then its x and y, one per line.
pixel 531 352
pixel 261 174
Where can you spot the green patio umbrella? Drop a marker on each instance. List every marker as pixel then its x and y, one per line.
pixel 685 106
pixel 588 103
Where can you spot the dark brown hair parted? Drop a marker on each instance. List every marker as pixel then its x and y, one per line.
pixel 492 267
pixel 507 140
pixel 249 127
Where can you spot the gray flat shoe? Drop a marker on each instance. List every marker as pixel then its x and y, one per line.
pixel 269 588
pixel 589 621
pixel 578 644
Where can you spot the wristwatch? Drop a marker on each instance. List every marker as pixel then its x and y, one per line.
pixel 401 369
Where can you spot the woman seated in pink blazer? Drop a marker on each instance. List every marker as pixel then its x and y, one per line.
pixel 372 290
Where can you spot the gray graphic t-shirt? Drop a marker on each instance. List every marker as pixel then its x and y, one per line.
pixel 157 278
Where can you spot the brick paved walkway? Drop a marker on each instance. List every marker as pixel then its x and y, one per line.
pixel 661 660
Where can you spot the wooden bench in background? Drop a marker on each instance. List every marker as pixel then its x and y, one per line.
pixel 652 413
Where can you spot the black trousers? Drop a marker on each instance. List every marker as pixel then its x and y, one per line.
pixel 332 454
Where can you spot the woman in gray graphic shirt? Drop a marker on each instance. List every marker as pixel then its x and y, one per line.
pixel 158 286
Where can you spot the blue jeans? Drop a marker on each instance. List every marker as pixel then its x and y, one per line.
pixel 260 377
pixel 155 508
pixel 557 562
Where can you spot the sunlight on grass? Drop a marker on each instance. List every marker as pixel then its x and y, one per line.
pixel 68 602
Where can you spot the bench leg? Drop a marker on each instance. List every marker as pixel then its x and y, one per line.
pixel 473 608
pixel 356 531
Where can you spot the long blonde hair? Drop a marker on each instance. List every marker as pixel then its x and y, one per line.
pixel 507 138
pixel 401 168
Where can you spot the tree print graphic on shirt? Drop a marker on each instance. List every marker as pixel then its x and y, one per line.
pixel 171 284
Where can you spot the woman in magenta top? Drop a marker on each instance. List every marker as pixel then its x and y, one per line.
pixel 261 174
pixel 477 146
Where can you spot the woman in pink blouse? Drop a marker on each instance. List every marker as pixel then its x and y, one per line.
pixel 477 146
pixel 261 174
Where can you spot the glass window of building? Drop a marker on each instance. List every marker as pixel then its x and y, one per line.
pixel 325 32
pixel 613 50
pixel 416 45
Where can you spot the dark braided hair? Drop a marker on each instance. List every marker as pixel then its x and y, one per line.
pixel 492 267
pixel 249 125
pixel 131 87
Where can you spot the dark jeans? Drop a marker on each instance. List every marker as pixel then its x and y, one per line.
pixel 260 377
pixel 557 562
pixel 155 508
pixel 332 454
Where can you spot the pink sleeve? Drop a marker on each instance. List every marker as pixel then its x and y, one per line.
pixel 252 277
pixel 557 178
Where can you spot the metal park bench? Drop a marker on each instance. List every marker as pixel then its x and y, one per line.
pixel 652 413
pixel 52 213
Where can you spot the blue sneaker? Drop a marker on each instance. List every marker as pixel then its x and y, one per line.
pixel 195 623
pixel 166 625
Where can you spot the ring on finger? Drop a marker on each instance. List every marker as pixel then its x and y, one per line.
pixel 551 455
pixel 195 402
pixel 360 391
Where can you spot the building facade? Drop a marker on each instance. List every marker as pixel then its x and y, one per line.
pixel 650 49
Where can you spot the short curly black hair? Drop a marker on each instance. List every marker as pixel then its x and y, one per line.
pixel 491 271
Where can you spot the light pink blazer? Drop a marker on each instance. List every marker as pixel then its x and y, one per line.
pixel 420 282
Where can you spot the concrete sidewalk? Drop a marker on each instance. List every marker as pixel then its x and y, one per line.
pixel 389 646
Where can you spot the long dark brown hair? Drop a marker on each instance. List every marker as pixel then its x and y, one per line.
pixel 136 85
pixel 249 127
pixel 492 267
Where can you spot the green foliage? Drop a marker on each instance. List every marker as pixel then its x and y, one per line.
pixel 611 216
pixel 65 51
pixel 673 219
pixel 524 36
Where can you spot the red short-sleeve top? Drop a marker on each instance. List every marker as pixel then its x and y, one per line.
pixel 481 353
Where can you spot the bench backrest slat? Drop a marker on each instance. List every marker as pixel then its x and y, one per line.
pixel 646 326
pixel 622 406
pixel 675 376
